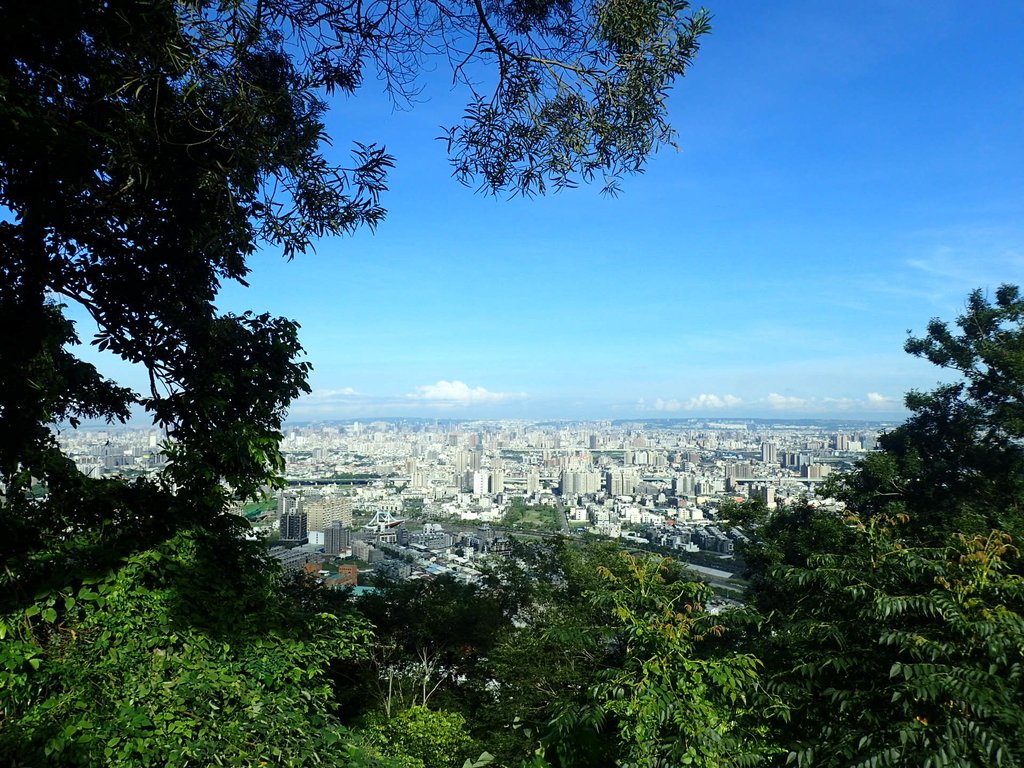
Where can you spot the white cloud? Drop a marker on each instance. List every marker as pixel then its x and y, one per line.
pixel 873 401
pixel 458 392
pixel 775 400
pixel 328 403
pixel 949 264
pixel 701 402
pixel 841 403
pixel 955 262
pixel 331 394
pixel 704 401
pixel 325 400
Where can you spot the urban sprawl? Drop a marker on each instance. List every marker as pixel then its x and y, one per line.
pixel 419 499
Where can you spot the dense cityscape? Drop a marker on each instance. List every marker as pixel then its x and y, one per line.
pixel 419 498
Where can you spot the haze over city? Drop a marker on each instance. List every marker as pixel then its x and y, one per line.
pixel 846 173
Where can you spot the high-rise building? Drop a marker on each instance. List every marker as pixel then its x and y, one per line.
pixel 769 453
pixel 324 509
pixel 621 482
pixel 684 485
pixel 361 550
pixel 293 526
pixel 402 535
pixel 576 482
pixel 815 471
pixel 337 538
pixel 741 471
pixel 497 480
pixel 291 516
pixel 481 482
pixel 763 492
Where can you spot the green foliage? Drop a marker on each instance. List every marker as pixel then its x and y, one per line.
pixel 133 162
pixel 791 537
pixel 671 703
pixel 538 517
pixel 431 636
pixel 583 91
pixel 423 738
pixel 957 464
pixel 892 654
pixel 611 661
pixel 159 662
pixel 546 664
pixel 750 513
pixel 894 635
pixel 988 351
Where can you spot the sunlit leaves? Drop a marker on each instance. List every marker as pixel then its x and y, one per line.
pixel 674 704
pixel 575 106
pixel 889 652
pixel 133 670
pixel 957 464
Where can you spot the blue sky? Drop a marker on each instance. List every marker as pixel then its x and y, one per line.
pixel 848 171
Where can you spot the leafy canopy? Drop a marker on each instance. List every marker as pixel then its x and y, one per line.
pixel 891 634
pixel 957 464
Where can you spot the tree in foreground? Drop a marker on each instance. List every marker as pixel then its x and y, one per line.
pixel 893 634
pixel 163 661
pixel 147 150
pixel 957 464
pixel 613 662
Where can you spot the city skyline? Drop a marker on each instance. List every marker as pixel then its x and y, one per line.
pixel 846 174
